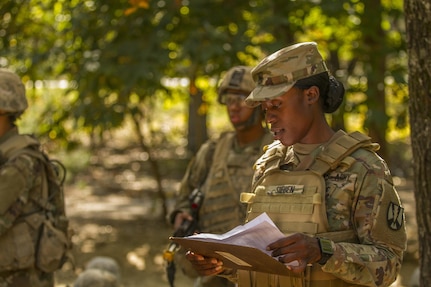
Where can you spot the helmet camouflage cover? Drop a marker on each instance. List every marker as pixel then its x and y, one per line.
pixel 12 93
pixel 236 78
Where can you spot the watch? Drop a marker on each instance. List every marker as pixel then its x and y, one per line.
pixel 325 249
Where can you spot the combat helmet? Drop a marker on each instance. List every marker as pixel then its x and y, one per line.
pixel 236 78
pixel 12 93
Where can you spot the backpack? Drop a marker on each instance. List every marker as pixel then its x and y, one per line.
pixel 53 246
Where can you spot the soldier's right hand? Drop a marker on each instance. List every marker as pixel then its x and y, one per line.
pixel 180 218
pixel 205 266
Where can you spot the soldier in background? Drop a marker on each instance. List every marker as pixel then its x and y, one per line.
pixel 335 198
pixel 222 169
pixel 20 183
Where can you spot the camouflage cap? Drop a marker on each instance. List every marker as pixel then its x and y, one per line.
pixel 236 78
pixel 12 92
pixel 278 73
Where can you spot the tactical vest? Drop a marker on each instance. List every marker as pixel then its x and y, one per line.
pixel 32 240
pixel 230 174
pixel 295 201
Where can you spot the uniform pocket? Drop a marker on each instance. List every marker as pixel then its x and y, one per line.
pixel 17 250
pixel 52 248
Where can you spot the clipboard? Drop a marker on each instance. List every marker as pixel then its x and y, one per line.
pixel 235 256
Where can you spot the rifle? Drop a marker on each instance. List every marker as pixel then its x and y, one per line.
pixel 188 227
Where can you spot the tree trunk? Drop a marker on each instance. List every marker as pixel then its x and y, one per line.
pixel 197 124
pixel 418 27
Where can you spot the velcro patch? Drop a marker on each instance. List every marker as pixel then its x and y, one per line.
pixel 395 216
pixel 284 189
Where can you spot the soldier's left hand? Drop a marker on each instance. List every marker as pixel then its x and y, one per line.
pixel 297 247
pixel 205 266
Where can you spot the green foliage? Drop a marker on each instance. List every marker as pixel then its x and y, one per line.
pixel 122 59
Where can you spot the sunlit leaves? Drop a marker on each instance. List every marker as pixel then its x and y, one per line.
pixel 135 5
pixel 118 51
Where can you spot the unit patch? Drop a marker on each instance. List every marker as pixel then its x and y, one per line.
pixel 395 216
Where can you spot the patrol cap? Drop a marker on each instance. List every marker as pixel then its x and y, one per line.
pixel 12 92
pixel 236 78
pixel 278 73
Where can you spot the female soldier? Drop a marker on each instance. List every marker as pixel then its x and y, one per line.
pixel 329 192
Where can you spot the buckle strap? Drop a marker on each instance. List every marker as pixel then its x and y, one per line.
pixel 334 152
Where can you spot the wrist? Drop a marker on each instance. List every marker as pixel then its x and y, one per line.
pixel 173 216
pixel 226 271
pixel 326 250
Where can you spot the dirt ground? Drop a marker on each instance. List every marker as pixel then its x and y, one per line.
pixel 115 212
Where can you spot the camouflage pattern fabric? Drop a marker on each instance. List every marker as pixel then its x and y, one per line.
pixel 278 73
pixel 229 170
pixel 12 92
pixel 361 197
pixel 236 78
pixel 26 278
pixel 229 173
pixel 20 179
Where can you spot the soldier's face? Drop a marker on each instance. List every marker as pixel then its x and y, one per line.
pixel 238 111
pixel 290 116
pixel 4 123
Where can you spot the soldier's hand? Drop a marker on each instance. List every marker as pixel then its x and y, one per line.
pixel 296 251
pixel 205 266
pixel 180 217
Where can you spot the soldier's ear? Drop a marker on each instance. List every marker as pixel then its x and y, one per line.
pixel 312 94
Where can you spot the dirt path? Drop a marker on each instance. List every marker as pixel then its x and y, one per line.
pixel 126 229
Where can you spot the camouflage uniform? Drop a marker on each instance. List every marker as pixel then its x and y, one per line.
pixel 229 173
pixel 357 207
pixel 359 198
pixel 222 170
pixel 20 181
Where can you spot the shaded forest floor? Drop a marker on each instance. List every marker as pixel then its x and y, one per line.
pixel 115 212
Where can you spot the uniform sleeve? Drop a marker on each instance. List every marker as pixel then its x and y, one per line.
pixel 16 180
pixel 194 176
pixel 378 219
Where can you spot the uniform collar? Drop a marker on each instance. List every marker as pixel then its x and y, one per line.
pixel 12 132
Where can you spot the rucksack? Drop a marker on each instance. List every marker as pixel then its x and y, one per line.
pixel 54 245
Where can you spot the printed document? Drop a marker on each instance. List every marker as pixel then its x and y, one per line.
pixel 243 247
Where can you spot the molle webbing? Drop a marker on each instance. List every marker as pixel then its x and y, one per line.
pixel 293 200
pixel 217 190
pixel 312 277
pixel 230 173
pixel 304 195
pixel 24 144
pixel 220 211
pixel 337 151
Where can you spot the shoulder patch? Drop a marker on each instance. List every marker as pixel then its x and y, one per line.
pixel 395 216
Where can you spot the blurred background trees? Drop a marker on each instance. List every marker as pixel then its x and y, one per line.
pixel 144 73
pixel 151 67
pixel 94 65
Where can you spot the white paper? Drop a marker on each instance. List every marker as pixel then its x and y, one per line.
pixel 258 233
